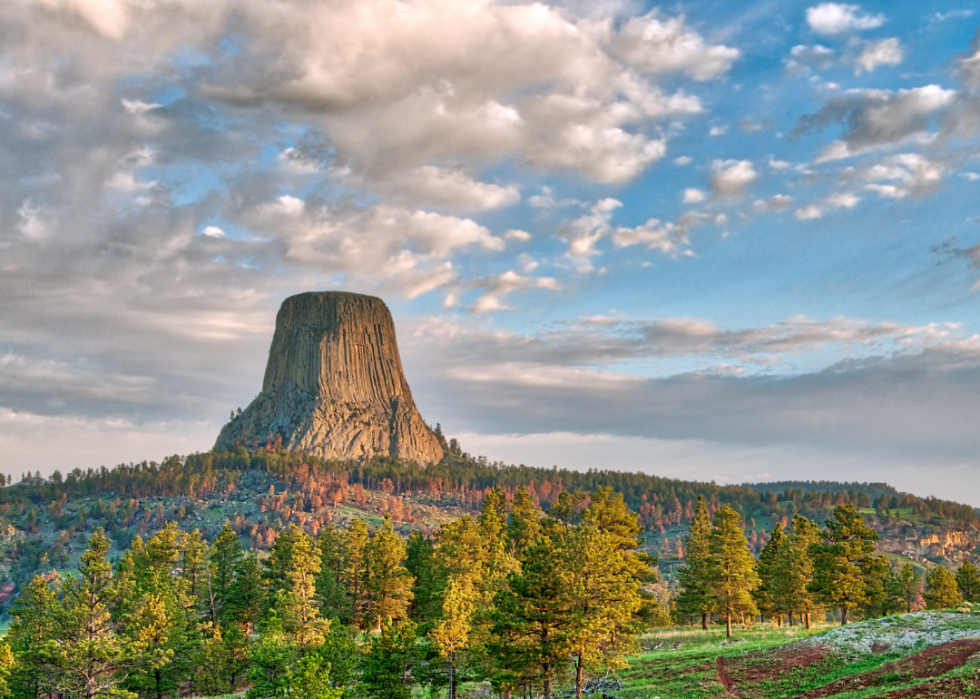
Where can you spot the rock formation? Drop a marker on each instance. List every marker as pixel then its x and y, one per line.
pixel 334 385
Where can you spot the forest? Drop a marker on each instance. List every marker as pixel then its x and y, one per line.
pixel 522 599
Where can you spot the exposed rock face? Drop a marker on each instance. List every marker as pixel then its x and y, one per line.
pixel 334 385
pixel 948 544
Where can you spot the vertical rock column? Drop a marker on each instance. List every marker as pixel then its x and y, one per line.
pixel 334 385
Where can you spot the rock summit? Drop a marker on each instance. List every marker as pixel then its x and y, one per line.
pixel 334 385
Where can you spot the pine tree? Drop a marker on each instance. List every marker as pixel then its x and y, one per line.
pixel 296 600
pixel 387 584
pixel 271 655
pixel 426 606
pixel 356 536
pixel 909 584
pixel 698 569
pixel 734 571
pixel 389 661
pixel 452 633
pixel 793 570
pixel 968 580
pixel 225 557
pixel 331 589
pixel 246 596
pixel 31 627
pixel 942 591
pixel 529 618
pixel 603 596
pixel 524 526
pixel 91 658
pixel 838 576
pixel 765 595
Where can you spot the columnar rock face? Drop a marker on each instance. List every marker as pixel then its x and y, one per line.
pixel 334 385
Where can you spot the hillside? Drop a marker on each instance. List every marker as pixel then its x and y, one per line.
pixel 45 522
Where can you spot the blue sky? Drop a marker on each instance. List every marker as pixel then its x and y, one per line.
pixel 712 240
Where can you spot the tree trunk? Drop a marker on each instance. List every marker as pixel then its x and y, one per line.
pixel 843 616
pixel 578 677
pixel 789 615
pixel 728 624
pixel 704 621
pixel 452 681
pixel 807 619
pixel 547 686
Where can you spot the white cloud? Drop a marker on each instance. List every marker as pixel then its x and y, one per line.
pixel 518 235
pixel 718 130
pixel 887 52
pixel 816 56
pixel 497 287
pixel 777 202
pixel 693 196
pixel 838 200
pixel 655 45
pixel 874 118
pixel 837 18
pixel 454 189
pixel 731 178
pixel 213 232
pixel 683 160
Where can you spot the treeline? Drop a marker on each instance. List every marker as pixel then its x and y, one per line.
pixel 464 480
pixel 803 571
pixel 508 596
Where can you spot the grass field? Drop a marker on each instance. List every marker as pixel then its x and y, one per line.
pixel 924 654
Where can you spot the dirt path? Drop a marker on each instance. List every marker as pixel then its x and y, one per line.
pixel 930 662
pixel 724 677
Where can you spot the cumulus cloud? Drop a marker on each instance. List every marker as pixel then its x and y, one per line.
pixel 731 178
pixel 693 196
pixel 887 52
pixel 838 200
pixel 654 45
pixel 874 118
pixel 816 56
pixel 495 288
pixel 837 18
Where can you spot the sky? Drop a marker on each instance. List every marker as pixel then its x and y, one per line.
pixel 707 240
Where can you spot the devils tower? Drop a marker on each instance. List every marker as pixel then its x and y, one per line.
pixel 334 385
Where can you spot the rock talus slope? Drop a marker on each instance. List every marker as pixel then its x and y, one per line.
pixel 334 385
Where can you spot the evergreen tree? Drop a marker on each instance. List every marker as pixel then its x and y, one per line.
pixel 603 596
pixel 310 679
pixel 356 536
pixel 90 657
pixel 698 569
pixel 331 588
pixel 909 584
pixel 524 526
pixel 31 627
pixel 942 591
pixel 226 554
pixel 529 618
pixel 296 601
pixel 387 584
pixel 426 606
pixel 765 595
pixel 839 561
pixel 389 660
pixel 452 633
pixel 968 580
pixel 246 596
pixel 734 571
pixel 793 570
pixel 271 657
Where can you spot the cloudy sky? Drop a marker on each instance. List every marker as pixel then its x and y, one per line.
pixel 713 240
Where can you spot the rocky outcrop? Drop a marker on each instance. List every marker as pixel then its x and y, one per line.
pixel 334 385
pixel 947 543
